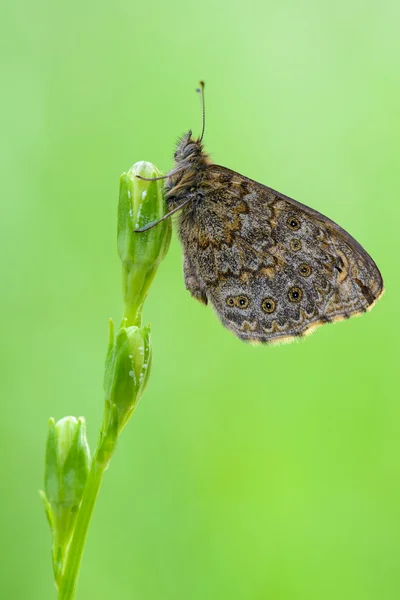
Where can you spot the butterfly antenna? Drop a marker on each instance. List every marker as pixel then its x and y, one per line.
pixel 200 91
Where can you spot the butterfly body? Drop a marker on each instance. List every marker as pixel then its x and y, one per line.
pixel 272 268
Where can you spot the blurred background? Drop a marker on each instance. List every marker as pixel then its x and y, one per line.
pixel 246 473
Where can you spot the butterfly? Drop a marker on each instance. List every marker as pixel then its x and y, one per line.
pixel 272 268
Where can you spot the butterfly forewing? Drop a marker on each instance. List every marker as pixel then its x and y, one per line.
pixel 272 268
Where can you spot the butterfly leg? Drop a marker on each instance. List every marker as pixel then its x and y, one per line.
pixel 192 281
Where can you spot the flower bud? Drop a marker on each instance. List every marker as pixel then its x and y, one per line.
pixel 66 470
pixel 127 370
pixel 140 203
pixel 67 461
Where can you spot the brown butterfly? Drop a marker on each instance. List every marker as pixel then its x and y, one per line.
pixel 272 268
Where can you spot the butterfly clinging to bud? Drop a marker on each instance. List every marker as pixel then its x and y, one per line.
pixel 272 268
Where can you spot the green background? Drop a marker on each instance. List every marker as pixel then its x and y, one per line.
pixel 246 473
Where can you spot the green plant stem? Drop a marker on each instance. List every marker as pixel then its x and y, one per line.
pixel 134 289
pixel 69 580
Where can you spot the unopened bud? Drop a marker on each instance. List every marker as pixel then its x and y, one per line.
pixel 127 369
pixel 140 203
pixel 66 470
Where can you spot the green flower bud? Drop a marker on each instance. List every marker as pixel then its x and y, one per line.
pixel 67 461
pixel 140 203
pixel 127 369
pixel 66 470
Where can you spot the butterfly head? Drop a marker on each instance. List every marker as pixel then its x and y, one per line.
pixel 188 150
pixel 190 163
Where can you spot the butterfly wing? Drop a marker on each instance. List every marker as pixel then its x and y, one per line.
pixel 273 268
